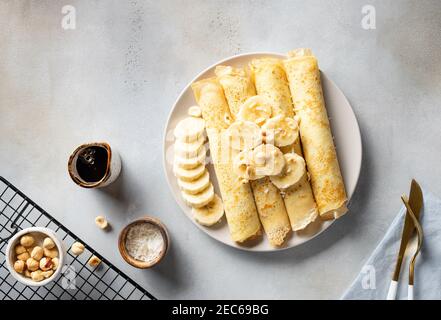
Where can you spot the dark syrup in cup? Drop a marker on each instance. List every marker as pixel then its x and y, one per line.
pixel 91 163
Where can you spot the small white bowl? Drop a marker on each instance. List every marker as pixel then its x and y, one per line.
pixel 10 255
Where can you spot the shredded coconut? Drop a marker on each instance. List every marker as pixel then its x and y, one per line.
pixel 144 242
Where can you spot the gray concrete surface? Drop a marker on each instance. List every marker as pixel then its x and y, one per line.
pixel 116 76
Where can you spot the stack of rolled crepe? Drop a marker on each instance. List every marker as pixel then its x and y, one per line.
pixel 270 81
pixel 293 85
pixel 238 87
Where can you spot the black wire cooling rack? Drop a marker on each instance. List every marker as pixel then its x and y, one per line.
pixel 78 281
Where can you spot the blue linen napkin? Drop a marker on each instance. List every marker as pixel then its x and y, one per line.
pixel 374 279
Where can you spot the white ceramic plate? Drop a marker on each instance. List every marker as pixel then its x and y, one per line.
pixel 344 128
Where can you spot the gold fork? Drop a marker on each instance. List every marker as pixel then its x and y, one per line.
pixel 419 231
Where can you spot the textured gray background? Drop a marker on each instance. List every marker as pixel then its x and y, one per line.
pixel 117 75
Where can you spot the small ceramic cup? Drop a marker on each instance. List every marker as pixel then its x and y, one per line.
pixel 137 263
pixel 113 167
pixel 39 234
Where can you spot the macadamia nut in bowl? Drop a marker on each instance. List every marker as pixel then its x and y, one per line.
pixel 34 256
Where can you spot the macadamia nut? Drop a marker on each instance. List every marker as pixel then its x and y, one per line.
pixel 19 249
pixel 55 263
pixel 19 266
pixel 195 111
pixel 24 256
pixel 101 222
pixel 27 240
pixel 46 264
pixel 32 264
pixel 37 253
pixel 48 243
pixel 37 275
pixel 94 261
pixel 51 253
pixel 77 248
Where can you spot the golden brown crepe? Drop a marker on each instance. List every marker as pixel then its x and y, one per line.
pixel 238 87
pixel 303 75
pixel 237 81
pixel 240 209
pixel 270 81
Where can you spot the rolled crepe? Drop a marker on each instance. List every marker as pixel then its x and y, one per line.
pixel 270 81
pixel 240 210
pixel 238 87
pixel 303 75
pixel 237 81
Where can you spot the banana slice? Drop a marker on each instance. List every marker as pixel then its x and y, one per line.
pixel 293 172
pixel 196 186
pixel 280 130
pixel 195 111
pixel 268 160
pixel 210 214
pixel 190 163
pixel 244 166
pixel 200 199
pixel 188 149
pixel 256 109
pixel 189 129
pixel 189 174
pixel 244 135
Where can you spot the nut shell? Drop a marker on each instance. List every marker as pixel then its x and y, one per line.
pixel 94 261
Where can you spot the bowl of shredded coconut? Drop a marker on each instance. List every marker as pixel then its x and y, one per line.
pixel 144 242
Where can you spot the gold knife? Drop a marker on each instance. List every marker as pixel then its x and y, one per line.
pixel 415 203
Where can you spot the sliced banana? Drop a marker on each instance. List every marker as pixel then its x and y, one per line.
pixel 189 174
pixel 268 160
pixel 256 109
pixel 196 186
pixel 200 199
pixel 195 111
pixel 280 130
pixel 244 135
pixel 190 163
pixel 188 149
pixel 189 129
pixel 244 166
pixel 293 172
pixel 210 214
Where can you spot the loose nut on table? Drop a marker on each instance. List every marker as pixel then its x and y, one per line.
pixel 77 248
pixel 94 261
pixel 27 241
pixel 48 243
pixel 101 222
pixel 37 253
pixel 19 266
